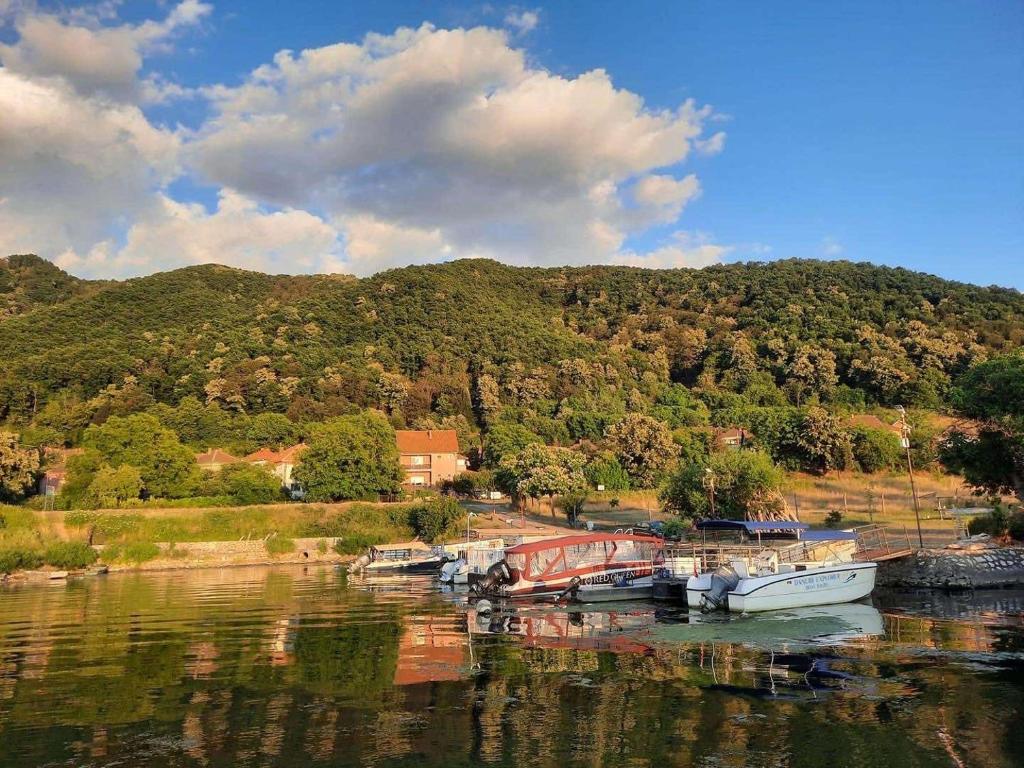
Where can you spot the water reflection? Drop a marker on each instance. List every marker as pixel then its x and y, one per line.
pixel 293 666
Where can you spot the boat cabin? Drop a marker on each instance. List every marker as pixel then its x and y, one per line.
pixel 581 554
pixel 409 550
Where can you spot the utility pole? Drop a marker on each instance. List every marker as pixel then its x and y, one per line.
pixel 709 483
pixel 905 440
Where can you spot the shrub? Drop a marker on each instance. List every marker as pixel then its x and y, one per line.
pixel 432 519
pixel 17 558
pixel 1016 525
pixel 833 519
pixel 321 547
pixel 69 555
pixel 994 523
pixel 674 529
pixel 875 449
pixel 138 552
pixel 280 545
pixel 249 484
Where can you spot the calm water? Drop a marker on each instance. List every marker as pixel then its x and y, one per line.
pixel 295 667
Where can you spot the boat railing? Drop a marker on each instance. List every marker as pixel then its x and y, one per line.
pixel 876 542
pixel 683 559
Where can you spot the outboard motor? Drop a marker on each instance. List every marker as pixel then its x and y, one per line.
pixel 723 581
pixel 497 575
pixel 359 563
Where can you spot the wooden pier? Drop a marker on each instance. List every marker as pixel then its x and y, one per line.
pixel 879 544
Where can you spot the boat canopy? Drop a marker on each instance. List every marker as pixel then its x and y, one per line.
pixel 529 547
pixel 405 546
pixel 581 554
pixel 751 526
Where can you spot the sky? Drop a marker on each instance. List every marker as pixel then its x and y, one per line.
pixel 354 137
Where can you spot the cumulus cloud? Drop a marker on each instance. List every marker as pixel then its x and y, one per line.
pixel 686 249
pixel 522 22
pixel 238 233
pixel 92 57
pixel 422 145
pixel 452 132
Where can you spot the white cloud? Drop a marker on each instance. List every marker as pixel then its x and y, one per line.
pixel 687 249
pixel 452 132
pixel 92 57
pixel 712 145
pixel 830 247
pixel 238 233
pixel 522 22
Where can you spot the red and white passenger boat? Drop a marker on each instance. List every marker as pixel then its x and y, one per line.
pixel 585 568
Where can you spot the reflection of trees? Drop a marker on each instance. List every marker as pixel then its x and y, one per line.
pixel 245 667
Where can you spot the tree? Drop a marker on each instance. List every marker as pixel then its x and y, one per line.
pixel 350 457
pixel 114 487
pixel 18 467
pixel 746 485
pixel 167 467
pixel 572 505
pixel 505 439
pixel 269 430
pixel 643 447
pixel 875 449
pixel 539 470
pixel 605 471
pixel 433 519
pixel 392 391
pixel 248 484
pixel 992 459
pixel 822 442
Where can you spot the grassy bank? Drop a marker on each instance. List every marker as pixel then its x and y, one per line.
pixel 30 539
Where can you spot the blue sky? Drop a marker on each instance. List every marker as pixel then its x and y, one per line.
pixel 883 132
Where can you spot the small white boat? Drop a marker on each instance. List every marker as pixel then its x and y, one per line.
pixel 471 558
pixel 763 583
pixel 414 556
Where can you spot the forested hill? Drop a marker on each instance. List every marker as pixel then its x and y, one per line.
pixel 474 337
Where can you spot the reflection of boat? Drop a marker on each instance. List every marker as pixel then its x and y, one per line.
pixel 591 567
pixel 825 624
pixel 615 631
pixel 815 569
pixel 411 556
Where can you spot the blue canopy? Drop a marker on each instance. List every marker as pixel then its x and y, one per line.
pixel 750 526
pixel 828 536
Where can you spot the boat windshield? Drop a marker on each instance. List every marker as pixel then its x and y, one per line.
pixel 516 560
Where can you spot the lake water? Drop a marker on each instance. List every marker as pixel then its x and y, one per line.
pixel 299 667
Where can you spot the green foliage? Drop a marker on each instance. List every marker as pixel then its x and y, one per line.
pixel 539 470
pixel 605 470
pixel 506 439
pixel 994 523
pixel 350 457
pixel 833 519
pixel 435 518
pixel 674 529
pixel 18 467
pixel 270 430
pixel 280 545
pixel 744 482
pixel 993 459
pixel 469 483
pixel 247 484
pixel 676 406
pixel 572 505
pixel 135 552
pixel 876 450
pixel 1015 526
pixel 644 448
pixel 167 467
pixel 114 487
pixel 19 558
pixel 70 555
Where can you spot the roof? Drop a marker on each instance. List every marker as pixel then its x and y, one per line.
pixel 731 433
pixel 216 456
pixel 427 441
pixel 571 541
pixel 869 421
pixel 291 454
pixel 828 536
pixel 263 454
pixel 750 526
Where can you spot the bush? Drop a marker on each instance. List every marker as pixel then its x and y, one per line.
pixel 431 520
pixel 833 519
pixel 875 449
pixel 69 555
pixel 674 529
pixel 249 484
pixel 994 523
pixel 1016 525
pixel 16 559
pixel 280 545
pixel 138 552
pixel 605 470
pixel 321 547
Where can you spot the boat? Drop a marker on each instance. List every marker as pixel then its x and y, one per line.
pixel 812 568
pixel 471 558
pixel 409 556
pixel 584 568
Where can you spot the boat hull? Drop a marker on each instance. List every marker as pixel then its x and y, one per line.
pixel 637 587
pixel 406 566
pixel 828 585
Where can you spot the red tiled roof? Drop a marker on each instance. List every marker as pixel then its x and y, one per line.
pixel 869 421
pixel 732 432
pixel 263 454
pixel 287 456
pixel 427 441
pixel 291 454
pixel 216 456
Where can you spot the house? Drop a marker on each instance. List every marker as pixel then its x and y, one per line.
pixel 732 438
pixel 55 470
pixel 281 463
pixel 868 421
pixel 215 459
pixel 429 457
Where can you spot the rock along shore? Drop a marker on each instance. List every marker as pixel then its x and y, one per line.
pixel 968 566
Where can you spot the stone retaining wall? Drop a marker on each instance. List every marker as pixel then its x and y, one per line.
pixel 207 554
pixel 972 567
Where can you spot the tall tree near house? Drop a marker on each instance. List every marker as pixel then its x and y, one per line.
pixel 643 446
pixel 539 470
pixel 18 467
pixel 747 485
pixel 992 460
pixel 350 457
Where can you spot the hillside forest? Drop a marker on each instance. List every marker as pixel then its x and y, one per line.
pixel 554 378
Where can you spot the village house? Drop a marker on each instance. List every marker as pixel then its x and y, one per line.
pixel 732 438
pixel 868 421
pixel 281 463
pixel 215 459
pixel 429 457
pixel 55 469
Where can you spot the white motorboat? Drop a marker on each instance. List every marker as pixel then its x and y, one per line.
pixel 470 557
pixel 412 556
pixel 816 569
